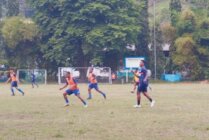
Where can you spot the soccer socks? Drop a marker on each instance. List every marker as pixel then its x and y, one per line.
pixel 90 96
pixel 13 93
pixel 150 99
pixel 83 102
pixel 20 91
pixel 103 94
pixel 138 102
pixel 66 101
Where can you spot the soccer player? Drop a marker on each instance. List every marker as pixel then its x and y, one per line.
pixel 93 84
pixel 136 80
pixel 14 84
pixel 73 89
pixel 33 80
pixel 142 87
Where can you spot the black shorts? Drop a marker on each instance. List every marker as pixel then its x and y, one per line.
pixel 14 84
pixel 142 88
pixel 136 83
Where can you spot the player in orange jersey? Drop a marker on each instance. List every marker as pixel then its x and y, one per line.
pixel 93 84
pixel 14 82
pixel 73 89
pixel 136 80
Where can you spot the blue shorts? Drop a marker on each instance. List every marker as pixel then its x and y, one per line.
pixel 142 88
pixel 75 92
pixel 14 84
pixel 93 85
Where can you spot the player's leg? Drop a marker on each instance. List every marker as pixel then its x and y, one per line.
pixel 15 85
pixel 145 93
pixel 65 97
pixel 12 88
pixel 134 89
pixel 32 84
pixel 139 90
pixel 89 91
pixel 147 96
pixel 99 91
pixel 150 99
pixel 138 105
pixel 20 90
pixel 77 94
pixel 35 83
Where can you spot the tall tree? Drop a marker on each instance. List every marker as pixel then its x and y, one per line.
pixel 9 8
pixel 85 30
pixel 201 36
pixel 13 7
pixel 143 36
pixel 186 23
pixel 186 57
pixel 20 36
pixel 191 51
pixel 175 8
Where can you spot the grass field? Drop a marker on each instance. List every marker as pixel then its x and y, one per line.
pixel 181 113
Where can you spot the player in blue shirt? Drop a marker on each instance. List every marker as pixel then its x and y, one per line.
pixel 142 87
pixel 33 80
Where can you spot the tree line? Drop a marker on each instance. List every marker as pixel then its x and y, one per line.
pixel 97 32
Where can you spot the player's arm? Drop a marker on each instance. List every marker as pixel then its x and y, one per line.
pixel 135 74
pixel 8 80
pixel 64 86
pixel 146 77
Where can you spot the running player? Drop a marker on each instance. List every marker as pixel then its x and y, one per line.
pixel 136 80
pixel 93 84
pixel 142 87
pixel 33 80
pixel 14 84
pixel 73 89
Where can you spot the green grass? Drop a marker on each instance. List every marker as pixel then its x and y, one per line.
pixel 181 113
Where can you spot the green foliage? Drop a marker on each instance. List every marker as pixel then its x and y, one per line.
pixel 185 56
pixel 190 55
pixel 9 7
pixel 13 7
pixel 161 60
pixel 143 36
pixel 16 30
pixel 200 3
pixel 84 30
pixel 168 32
pixel 20 36
pixel 202 37
pixel 175 8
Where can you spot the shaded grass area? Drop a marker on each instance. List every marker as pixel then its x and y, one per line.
pixel 181 113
